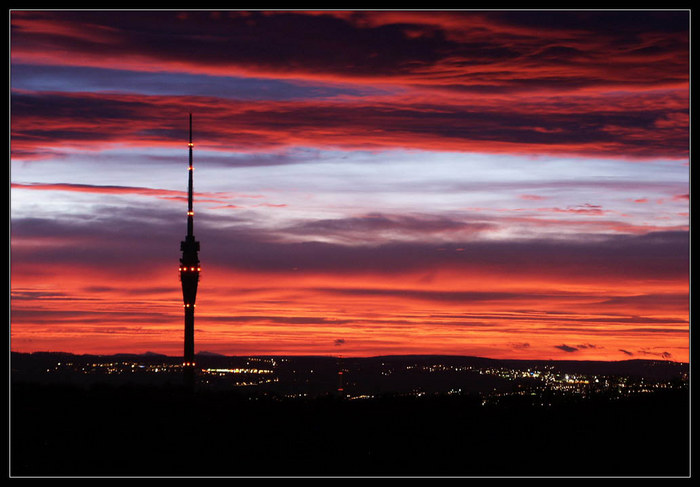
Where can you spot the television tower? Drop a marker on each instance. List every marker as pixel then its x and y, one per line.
pixel 189 276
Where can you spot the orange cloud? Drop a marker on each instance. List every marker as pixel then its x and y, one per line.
pixel 476 309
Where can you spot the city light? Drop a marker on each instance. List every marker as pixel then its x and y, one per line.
pixel 539 386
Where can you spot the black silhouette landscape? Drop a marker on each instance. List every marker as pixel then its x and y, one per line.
pixel 395 416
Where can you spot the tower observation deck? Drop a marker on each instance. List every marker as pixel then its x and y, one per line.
pixel 189 275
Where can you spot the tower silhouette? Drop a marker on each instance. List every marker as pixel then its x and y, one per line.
pixel 189 276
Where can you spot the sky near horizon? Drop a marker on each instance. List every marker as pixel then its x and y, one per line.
pixel 507 184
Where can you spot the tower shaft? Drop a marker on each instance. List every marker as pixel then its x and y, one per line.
pixel 189 273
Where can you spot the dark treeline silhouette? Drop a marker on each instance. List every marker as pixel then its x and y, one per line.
pixel 124 430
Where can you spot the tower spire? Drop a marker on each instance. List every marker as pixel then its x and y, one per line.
pixel 189 274
pixel 190 211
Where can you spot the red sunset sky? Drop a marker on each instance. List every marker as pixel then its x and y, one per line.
pixel 507 184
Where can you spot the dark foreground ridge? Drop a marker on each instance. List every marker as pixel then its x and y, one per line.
pixel 129 430
pixel 123 428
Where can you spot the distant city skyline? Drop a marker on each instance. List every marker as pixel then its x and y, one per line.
pixel 504 184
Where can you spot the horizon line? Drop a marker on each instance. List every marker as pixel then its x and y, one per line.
pixel 215 355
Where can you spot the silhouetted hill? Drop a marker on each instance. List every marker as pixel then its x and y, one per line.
pixel 98 415
pixel 635 367
pixel 318 375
